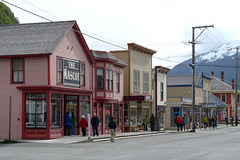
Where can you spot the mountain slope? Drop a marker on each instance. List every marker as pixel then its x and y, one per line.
pixel 221 58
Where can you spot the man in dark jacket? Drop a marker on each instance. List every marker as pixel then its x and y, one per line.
pixel 152 121
pixel 112 126
pixel 95 124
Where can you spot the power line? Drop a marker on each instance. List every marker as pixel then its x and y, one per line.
pixel 72 29
pixel 27 11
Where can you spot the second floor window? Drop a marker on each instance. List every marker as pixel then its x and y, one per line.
pixel 17 70
pixel 60 71
pixel 109 79
pixel 82 74
pixel 145 82
pixel 100 79
pixel 224 97
pixel 136 81
pixel 118 82
pixel 161 90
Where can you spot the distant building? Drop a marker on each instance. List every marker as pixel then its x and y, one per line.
pixel 180 99
pixel 226 94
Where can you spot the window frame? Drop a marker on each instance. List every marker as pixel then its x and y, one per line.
pixel 145 82
pixel 36 112
pixel 60 72
pixel 161 91
pixel 136 79
pixel 83 75
pixel 118 82
pixel 223 97
pixel 12 71
pixel 102 79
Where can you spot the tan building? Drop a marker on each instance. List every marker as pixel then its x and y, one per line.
pixel 137 85
pixel 180 99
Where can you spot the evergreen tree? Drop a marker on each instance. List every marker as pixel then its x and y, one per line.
pixel 6 15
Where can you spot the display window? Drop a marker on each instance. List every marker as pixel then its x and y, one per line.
pixel 108 113
pixel 36 110
pixel 56 111
pixel 85 105
pixel 115 113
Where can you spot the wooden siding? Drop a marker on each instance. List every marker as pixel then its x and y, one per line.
pixel 36 71
pixel 6 91
pixel 70 48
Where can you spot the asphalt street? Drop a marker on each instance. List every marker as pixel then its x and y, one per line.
pixel 210 144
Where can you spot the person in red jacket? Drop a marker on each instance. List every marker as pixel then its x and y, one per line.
pixel 179 123
pixel 83 124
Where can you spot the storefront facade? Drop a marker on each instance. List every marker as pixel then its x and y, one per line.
pixel 179 101
pixel 50 73
pixel 138 101
pixel 109 90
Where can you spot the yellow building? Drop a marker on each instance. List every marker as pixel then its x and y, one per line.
pixel 137 84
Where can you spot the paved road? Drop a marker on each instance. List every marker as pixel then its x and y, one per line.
pixel 217 144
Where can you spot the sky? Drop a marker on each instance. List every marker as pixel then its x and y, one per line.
pixel 161 25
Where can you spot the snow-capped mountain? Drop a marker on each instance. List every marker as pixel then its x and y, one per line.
pixel 221 58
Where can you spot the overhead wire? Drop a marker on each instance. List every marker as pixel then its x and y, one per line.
pixel 109 42
pixel 72 29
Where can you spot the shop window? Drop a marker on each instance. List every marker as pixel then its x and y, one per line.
pixel 115 113
pixel 100 79
pixel 133 121
pixel 36 111
pixel 108 114
pixel 145 82
pixel 118 83
pixel 60 70
pixel 85 105
pixel 136 81
pixel 56 111
pixel 17 70
pixel 82 74
pixel 175 111
pixel 223 114
pixel 126 120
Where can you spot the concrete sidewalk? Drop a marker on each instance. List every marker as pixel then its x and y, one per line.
pixel 106 137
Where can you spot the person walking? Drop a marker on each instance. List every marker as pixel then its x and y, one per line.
pixel 226 120
pixel 83 124
pixel 152 121
pixel 232 119
pixel 95 124
pixel 213 122
pixel 205 122
pixel 183 123
pixel 179 123
pixel 67 124
pixel 112 126
pixel 74 123
pixel 145 123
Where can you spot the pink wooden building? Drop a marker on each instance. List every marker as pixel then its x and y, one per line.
pixel 108 95
pixel 46 70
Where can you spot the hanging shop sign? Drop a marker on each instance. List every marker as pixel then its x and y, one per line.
pixel 71 73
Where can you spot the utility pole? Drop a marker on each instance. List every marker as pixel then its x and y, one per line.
pixel 193 70
pixel 236 118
